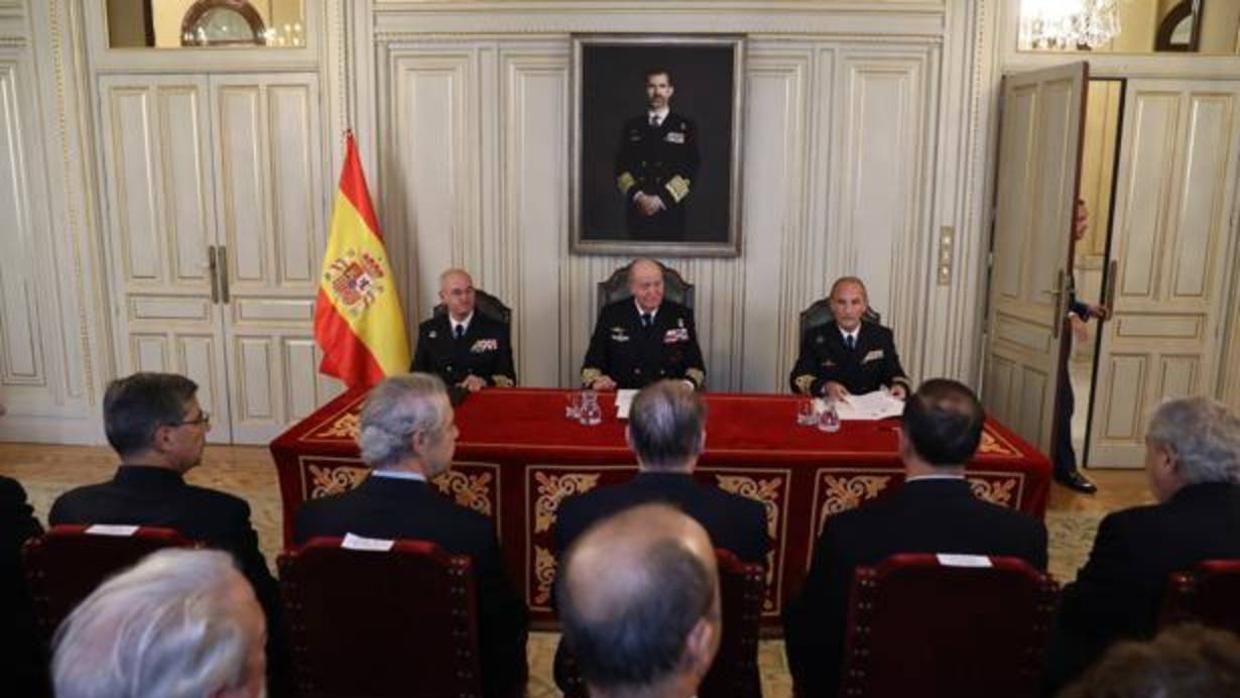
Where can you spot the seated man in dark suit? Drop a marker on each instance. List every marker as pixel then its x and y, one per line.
pixel 464 347
pixel 667 431
pixel 848 356
pixel 22 665
pixel 643 339
pixel 934 511
pixel 1193 464
pixel 653 629
pixel 407 435
pixel 154 423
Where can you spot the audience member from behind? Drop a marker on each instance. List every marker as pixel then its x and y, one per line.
pixel 1192 460
pixel 1186 661
pixel 179 624
pixel 934 511
pixel 639 603
pixel 22 664
pixel 157 427
pixel 407 435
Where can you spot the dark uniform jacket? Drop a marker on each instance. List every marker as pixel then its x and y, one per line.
pixel 484 351
pixel 1118 593
pixel 923 516
pixel 149 496
pixel 21 664
pixel 662 161
pixel 735 523
pixel 392 508
pixel 824 357
pixel 635 356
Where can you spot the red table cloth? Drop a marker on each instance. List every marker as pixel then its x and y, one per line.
pixel 518 457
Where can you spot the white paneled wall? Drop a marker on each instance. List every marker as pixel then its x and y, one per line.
pixel 474 150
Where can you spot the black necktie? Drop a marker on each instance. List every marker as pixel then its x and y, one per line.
pixel 850 342
pixel 647 320
pixel 654 121
pixel 459 331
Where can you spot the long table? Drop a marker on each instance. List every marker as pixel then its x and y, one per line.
pixel 518 458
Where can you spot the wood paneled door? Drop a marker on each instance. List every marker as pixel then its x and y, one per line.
pixel 1039 161
pixel 216 225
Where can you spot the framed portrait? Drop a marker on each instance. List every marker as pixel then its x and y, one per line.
pixel 656 145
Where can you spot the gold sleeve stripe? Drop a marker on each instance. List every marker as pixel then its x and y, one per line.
pixel 502 381
pixel 678 187
pixel 804 383
pixel 901 379
pixel 589 375
pixel 696 375
pixel 625 182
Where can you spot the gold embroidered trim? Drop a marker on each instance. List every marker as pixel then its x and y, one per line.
pixel 804 383
pixel 678 187
pixel 502 381
pixel 625 182
pixel 696 375
pixel 589 375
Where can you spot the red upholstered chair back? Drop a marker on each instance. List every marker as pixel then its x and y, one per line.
pixel 1207 594
pixel 734 673
pixel 381 623
pixel 64 565
pixel 917 627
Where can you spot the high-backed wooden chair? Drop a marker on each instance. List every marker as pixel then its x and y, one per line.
pixel 486 304
pixel 377 623
pixel 926 625
pixel 1209 594
pixel 616 286
pixel 65 564
pixel 734 673
pixel 819 314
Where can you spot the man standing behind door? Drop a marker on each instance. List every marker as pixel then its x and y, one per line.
pixel 465 348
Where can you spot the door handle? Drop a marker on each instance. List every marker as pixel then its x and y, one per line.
pixel 1060 293
pixel 212 271
pixel 1112 281
pixel 222 254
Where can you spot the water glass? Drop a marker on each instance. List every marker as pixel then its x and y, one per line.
pixel 805 412
pixel 829 420
pixel 572 410
pixel 591 413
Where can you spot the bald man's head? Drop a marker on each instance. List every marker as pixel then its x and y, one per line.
pixel 639 601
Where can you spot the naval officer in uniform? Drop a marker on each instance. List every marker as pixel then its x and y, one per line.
pixel 656 163
pixel 464 347
pixel 643 339
pixel 847 355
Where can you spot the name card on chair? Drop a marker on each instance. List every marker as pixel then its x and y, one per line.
pixel 111 530
pixel 956 560
pixel 353 542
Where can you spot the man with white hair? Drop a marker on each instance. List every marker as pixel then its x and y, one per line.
pixel 639 600
pixel 179 624
pixel 643 338
pixel 407 435
pixel 1192 461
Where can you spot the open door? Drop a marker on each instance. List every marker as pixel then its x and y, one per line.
pixel 1039 164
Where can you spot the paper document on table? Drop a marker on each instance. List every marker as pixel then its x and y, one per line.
pixel 624 400
pixel 870 406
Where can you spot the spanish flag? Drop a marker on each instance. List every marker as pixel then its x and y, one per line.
pixel 358 320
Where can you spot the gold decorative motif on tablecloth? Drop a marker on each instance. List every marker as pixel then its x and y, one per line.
pixel 844 493
pixel 469 491
pixel 346 426
pixel 993 445
pixel 544 576
pixel 764 491
pixel 1000 492
pixel 553 489
pixel 326 481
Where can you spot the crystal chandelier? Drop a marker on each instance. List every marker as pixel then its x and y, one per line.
pixel 1066 25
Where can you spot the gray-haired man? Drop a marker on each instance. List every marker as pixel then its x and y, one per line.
pixel 179 624
pixel 1192 460
pixel 407 435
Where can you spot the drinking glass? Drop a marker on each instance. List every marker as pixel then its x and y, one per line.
pixel 829 420
pixel 591 413
pixel 805 412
